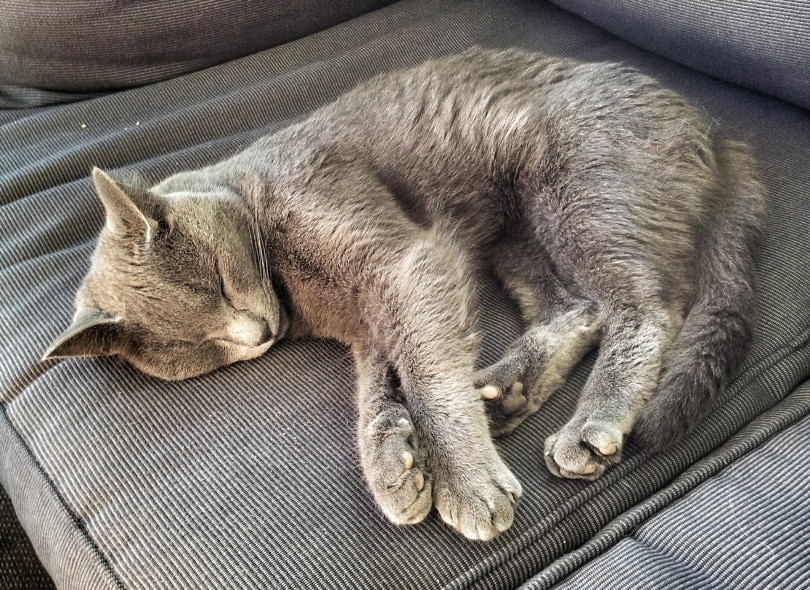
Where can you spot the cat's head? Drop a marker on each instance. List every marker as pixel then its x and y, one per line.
pixel 178 285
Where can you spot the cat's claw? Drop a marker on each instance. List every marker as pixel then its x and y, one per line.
pixel 479 505
pixel 395 469
pixel 583 451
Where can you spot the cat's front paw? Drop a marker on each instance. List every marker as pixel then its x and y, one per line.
pixel 394 467
pixel 583 450
pixel 478 502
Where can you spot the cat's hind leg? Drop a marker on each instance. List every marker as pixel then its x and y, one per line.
pixel 623 379
pixel 561 329
pixel 536 365
pixel 392 460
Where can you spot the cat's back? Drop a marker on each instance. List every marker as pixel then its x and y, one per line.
pixel 442 135
pixel 457 136
pixel 457 100
pixel 491 108
pixel 474 104
pixel 492 90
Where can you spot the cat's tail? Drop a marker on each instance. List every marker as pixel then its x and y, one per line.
pixel 719 325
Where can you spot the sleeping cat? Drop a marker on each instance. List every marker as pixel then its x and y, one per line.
pixel 611 210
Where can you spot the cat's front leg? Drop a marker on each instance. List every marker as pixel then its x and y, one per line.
pixel 445 434
pixel 473 489
pixel 393 461
pixel 425 310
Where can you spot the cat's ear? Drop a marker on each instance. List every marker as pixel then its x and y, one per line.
pixel 130 211
pixel 92 333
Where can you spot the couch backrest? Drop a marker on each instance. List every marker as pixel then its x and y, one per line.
pixel 55 51
pixel 759 44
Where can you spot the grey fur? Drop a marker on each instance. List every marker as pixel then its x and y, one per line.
pixel 610 208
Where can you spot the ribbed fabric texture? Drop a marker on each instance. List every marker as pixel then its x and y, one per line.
pixel 746 528
pixel 759 44
pixel 248 477
pixel 50 52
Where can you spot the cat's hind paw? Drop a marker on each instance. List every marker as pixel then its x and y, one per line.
pixel 516 386
pixel 506 406
pixel 394 468
pixel 583 451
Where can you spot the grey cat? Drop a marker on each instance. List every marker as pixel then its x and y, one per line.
pixel 613 212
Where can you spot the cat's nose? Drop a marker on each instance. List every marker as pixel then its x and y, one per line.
pixel 248 330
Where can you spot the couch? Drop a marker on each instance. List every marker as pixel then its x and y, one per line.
pixel 248 477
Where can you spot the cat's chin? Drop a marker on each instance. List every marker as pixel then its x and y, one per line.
pixel 239 352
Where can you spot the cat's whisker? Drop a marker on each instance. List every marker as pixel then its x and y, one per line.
pixel 258 251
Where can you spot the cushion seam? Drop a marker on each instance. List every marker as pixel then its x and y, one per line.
pixel 639 514
pixel 532 535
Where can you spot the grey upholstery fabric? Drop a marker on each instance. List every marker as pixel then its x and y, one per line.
pixel 746 528
pixel 248 478
pixel 53 52
pixel 759 44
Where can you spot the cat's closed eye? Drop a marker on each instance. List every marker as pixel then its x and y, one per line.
pixel 221 286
